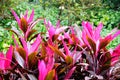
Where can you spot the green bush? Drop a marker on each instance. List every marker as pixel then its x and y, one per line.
pixel 113 4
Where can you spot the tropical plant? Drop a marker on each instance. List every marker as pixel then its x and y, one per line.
pixel 60 53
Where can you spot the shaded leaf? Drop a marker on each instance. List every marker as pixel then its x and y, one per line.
pixel 69 74
pixel 32 59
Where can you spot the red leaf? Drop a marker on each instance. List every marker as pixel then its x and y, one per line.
pixel 22 52
pixel 91 43
pixel 57 51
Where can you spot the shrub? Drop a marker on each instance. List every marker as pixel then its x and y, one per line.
pixel 62 52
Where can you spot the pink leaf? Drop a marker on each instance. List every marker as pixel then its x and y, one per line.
pixel 34 23
pixel 26 14
pixel 116 34
pixel 42 70
pixel 97 31
pixel 66 48
pixel 9 56
pixel 50 63
pixel 88 28
pixel 115 54
pixel 51 31
pixel 36 44
pixel 2 61
pixel 24 44
pixel 31 16
pixel 58 24
pixel 16 17
pixel 61 29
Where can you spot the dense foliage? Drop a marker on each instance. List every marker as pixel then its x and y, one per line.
pixel 93 11
pixel 60 53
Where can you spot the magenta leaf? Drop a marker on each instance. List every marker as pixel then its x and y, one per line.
pixel 42 70
pixel 26 14
pixel 35 45
pixel 116 34
pixel 31 16
pixel 115 55
pixel 88 28
pixel 9 57
pixel 97 31
pixel 16 17
pixel 50 63
pixel 24 44
pixel 2 61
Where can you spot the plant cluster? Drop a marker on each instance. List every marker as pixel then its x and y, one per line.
pixel 60 53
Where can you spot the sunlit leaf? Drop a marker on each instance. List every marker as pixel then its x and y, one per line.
pixel 19 59
pixel 57 51
pixel 50 75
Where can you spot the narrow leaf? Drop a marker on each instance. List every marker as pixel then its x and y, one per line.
pixel 42 70
pixel 57 51
pixel 9 56
pixel 50 75
pixel 19 59
pixel 31 16
pixel 68 75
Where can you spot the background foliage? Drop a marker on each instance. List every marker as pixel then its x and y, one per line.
pixel 68 11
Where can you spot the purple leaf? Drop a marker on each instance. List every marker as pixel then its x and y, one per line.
pixel 68 75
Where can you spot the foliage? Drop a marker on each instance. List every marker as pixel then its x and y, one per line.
pixel 5 6
pixel 93 13
pixel 62 52
pixel 112 4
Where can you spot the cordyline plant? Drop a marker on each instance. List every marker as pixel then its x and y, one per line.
pixel 60 53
